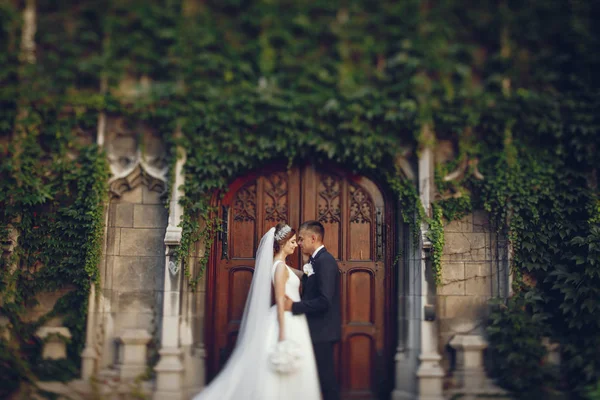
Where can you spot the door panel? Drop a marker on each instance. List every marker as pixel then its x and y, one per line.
pixel 352 210
pixel 329 210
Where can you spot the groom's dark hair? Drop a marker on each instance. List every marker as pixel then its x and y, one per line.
pixel 315 227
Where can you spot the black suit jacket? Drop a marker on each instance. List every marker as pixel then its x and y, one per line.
pixel 321 299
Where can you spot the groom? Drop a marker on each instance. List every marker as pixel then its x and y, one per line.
pixel 320 302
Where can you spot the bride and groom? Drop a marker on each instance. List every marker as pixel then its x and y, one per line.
pixel 285 351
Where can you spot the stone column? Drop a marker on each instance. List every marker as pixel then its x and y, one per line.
pixel 430 374
pixel 89 356
pixel 409 332
pixel 169 370
pixel 409 306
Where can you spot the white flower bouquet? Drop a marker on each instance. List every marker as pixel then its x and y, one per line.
pixel 285 357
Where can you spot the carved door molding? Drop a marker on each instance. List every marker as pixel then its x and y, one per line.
pixel 357 219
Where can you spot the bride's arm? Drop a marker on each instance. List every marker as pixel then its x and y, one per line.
pixel 281 277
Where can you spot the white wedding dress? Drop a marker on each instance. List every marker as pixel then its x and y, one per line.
pixel 304 383
pixel 248 374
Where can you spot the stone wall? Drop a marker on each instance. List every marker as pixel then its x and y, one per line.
pixel 132 269
pixel 474 269
pixel 133 278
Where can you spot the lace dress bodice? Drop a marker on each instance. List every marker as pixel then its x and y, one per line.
pixel 292 285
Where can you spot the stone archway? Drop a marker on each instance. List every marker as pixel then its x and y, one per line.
pixel 413 366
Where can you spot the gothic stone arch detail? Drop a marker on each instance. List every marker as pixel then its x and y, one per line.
pixel 136 155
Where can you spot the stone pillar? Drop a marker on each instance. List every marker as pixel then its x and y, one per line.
pixel 89 356
pixel 55 342
pixel 409 321
pixel 169 370
pixel 470 372
pixel 430 374
pixel 132 353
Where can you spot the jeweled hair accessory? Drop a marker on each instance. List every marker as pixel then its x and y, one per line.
pixel 283 232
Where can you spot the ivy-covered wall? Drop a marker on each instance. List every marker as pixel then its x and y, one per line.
pixel 511 84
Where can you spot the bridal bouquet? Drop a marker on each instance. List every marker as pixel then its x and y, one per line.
pixel 285 357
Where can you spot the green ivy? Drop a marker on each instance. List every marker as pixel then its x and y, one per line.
pixel 59 247
pixel 455 198
pixel 249 83
pixel 436 235
pixel 515 335
pixel 545 197
pixel 229 147
pixel 53 184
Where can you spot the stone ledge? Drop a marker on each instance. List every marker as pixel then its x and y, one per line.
pixel 55 341
pixel 135 336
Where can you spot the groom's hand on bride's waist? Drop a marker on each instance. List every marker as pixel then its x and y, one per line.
pixel 288 304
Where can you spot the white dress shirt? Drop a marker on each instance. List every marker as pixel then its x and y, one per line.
pixel 317 250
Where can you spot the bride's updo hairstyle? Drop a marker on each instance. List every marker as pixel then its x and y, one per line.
pixel 283 233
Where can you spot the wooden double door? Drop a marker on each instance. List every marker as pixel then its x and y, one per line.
pixel 358 232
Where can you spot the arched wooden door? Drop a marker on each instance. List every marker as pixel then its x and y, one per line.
pixel 357 224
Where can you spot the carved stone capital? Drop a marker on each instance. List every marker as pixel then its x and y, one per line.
pixel 173 235
pixel 468 166
pixel 404 164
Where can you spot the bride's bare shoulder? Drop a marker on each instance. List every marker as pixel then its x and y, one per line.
pixel 280 271
pixel 280 265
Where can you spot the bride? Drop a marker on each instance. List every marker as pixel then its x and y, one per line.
pixel 273 358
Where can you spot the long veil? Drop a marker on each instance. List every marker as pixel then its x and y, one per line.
pixel 241 376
